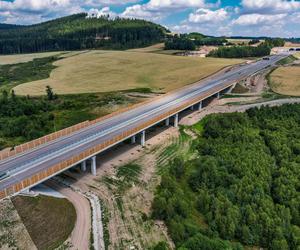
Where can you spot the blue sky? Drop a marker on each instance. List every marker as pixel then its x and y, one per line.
pixel 212 17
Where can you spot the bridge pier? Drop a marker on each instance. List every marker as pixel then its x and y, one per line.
pixel 176 121
pixel 167 122
pixel 192 107
pixel 83 166
pixel 93 166
pixel 133 139
pixel 200 106
pixel 218 95
pixel 143 138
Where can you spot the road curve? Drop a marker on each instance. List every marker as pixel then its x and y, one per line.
pixel 80 237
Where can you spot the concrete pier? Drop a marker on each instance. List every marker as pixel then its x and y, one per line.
pixel 133 139
pixel 83 166
pixel 200 106
pixel 167 122
pixel 93 166
pixel 176 121
pixel 143 138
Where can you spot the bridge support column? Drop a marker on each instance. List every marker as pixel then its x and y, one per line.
pixel 192 107
pixel 83 166
pixel 143 138
pixel 133 139
pixel 93 166
pixel 176 121
pixel 218 95
pixel 168 122
pixel 200 106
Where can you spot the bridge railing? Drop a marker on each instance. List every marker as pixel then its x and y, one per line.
pixel 45 174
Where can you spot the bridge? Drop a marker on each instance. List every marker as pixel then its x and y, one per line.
pixel 34 162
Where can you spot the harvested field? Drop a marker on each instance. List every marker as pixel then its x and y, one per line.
pixel 21 58
pixel 106 71
pixel 48 220
pixel 286 80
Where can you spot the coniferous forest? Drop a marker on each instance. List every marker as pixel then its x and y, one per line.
pixel 78 32
pixel 243 186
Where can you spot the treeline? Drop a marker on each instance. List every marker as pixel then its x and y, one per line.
pixel 192 41
pixel 263 49
pixel 243 184
pixel 241 51
pixel 78 32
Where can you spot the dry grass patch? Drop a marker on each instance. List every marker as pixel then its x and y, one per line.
pixel 106 71
pixel 48 220
pixel 21 58
pixel 286 81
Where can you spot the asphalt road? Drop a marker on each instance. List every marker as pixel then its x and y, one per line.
pixel 45 156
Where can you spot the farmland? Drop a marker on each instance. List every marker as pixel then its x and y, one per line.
pixel 285 80
pixel 108 71
pixel 14 59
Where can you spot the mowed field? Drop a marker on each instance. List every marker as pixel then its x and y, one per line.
pixel 14 59
pixel 106 71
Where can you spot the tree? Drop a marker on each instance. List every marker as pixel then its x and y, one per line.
pixel 50 94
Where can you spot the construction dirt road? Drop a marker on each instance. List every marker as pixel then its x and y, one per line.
pixel 80 237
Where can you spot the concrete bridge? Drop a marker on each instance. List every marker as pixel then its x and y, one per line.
pixel 34 162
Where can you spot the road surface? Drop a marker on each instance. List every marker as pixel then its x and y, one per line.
pixel 27 164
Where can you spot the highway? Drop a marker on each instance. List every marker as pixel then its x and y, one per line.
pixel 26 164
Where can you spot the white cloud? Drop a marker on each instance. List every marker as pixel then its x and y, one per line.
pixel 142 12
pixel 207 15
pixel 159 9
pixel 95 13
pixel 258 19
pixel 269 6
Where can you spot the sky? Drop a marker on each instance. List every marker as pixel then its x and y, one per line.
pixel 277 18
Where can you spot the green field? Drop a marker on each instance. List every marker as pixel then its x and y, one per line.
pixel 108 71
pixel 49 221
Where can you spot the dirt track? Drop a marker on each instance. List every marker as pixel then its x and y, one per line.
pixel 80 237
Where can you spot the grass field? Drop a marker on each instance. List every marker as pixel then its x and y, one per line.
pixel 286 80
pixel 106 71
pixel 49 221
pixel 14 59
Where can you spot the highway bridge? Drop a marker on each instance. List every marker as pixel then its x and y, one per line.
pixel 34 162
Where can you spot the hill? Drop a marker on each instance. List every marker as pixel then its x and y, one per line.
pixel 4 26
pixel 79 32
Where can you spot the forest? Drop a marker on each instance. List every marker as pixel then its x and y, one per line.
pixel 192 41
pixel 78 32
pixel 241 51
pixel 242 187
pixel 263 49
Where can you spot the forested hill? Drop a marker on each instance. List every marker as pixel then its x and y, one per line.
pixel 4 26
pixel 78 32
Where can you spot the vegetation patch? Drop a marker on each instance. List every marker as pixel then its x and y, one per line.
pixel 239 89
pixel 49 221
pixel 26 118
pixel 12 75
pixel 287 60
pixel 241 188
pixel 22 58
